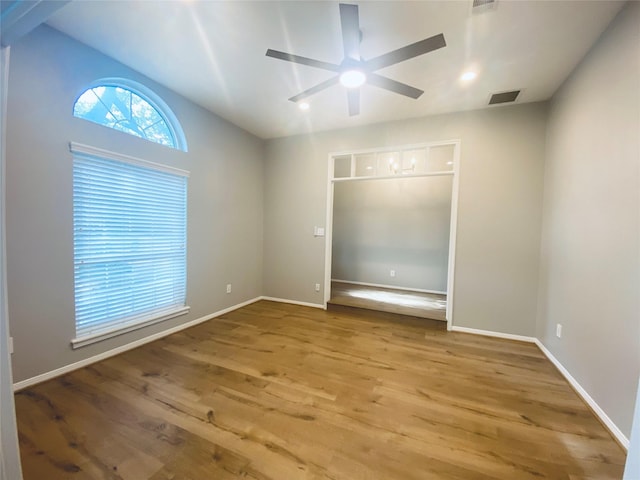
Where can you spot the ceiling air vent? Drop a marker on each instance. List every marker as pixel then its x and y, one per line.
pixel 480 6
pixel 504 97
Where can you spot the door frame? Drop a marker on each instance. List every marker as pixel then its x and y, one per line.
pixel 453 220
pixel 9 450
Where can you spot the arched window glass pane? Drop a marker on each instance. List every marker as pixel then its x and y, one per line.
pixel 121 109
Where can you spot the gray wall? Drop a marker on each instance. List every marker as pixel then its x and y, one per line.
pixel 499 215
pixel 225 216
pixel 590 264
pixel 398 224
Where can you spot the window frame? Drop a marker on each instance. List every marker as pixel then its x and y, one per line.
pixel 134 322
pixel 149 96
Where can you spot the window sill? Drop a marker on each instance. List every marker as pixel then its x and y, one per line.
pixel 130 326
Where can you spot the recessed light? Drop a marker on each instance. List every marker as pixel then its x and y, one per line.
pixel 353 78
pixel 468 76
pixel 303 106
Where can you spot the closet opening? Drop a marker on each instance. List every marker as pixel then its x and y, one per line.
pixel 391 229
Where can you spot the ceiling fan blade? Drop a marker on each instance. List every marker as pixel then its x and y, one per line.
pixel 405 53
pixel 350 31
pixel 313 90
pixel 353 96
pixel 393 86
pixel 302 60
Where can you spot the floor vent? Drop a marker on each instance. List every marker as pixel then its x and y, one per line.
pixel 504 97
pixel 480 6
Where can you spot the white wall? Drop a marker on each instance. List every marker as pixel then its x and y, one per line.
pixel 49 70
pixel 393 224
pixel 590 261
pixel 499 212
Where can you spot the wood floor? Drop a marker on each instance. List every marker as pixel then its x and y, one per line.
pixel 282 392
pixel 417 304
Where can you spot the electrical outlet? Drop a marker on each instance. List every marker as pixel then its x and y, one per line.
pixel 228 288
pixel 559 330
pixel 317 287
pixel 392 273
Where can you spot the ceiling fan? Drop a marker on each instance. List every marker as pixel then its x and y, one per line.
pixel 354 71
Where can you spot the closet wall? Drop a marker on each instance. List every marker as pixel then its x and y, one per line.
pixel 392 232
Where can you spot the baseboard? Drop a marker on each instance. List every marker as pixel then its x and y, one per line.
pixel 294 302
pixel 489 333
pixel 391 287
pixel 602 416
pixel 123 348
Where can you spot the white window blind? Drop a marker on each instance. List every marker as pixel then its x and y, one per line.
pixel 129 220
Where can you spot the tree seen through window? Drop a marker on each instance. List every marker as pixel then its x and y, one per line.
pixel 121 109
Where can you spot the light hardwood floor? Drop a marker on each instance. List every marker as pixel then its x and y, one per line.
pixel 282 392
pixel 404 302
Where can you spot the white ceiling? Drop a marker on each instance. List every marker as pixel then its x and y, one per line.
pixel 214 53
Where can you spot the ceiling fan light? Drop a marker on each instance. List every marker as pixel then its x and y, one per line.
pixel 353 78
pixel 303 105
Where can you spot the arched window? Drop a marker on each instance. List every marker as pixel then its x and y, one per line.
pixel 131 108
